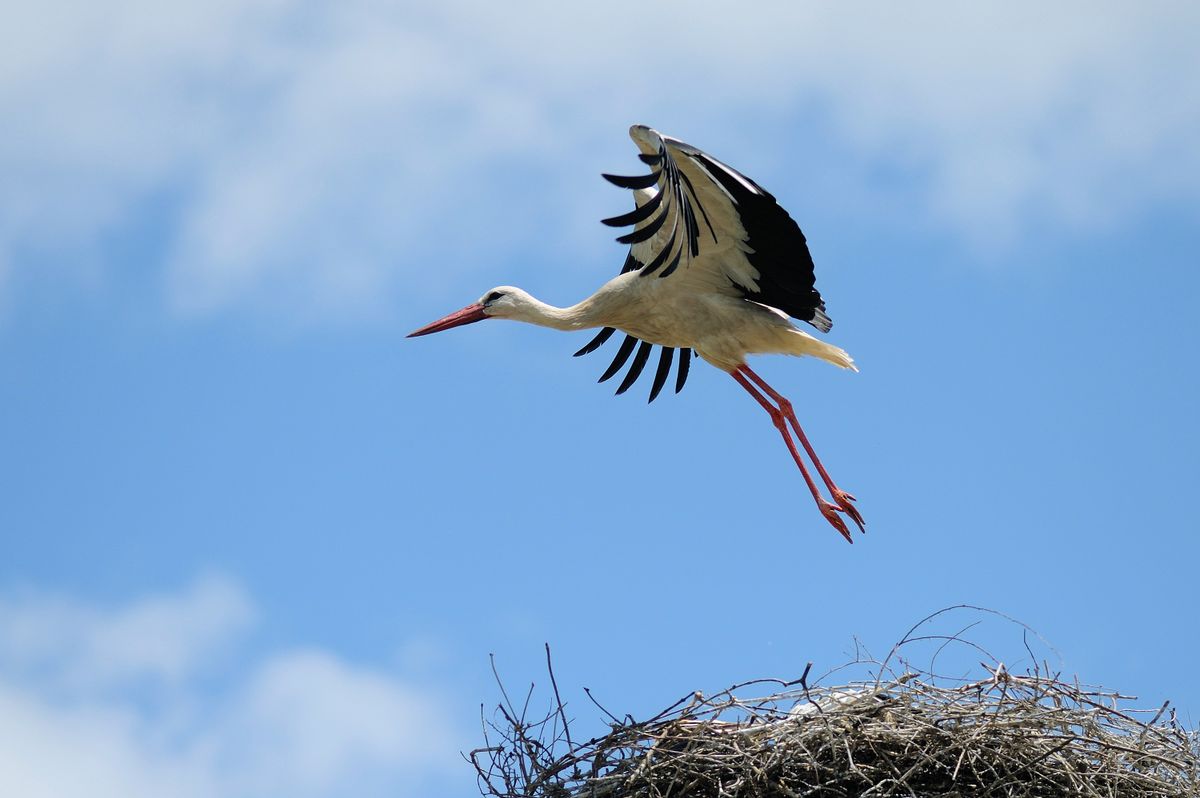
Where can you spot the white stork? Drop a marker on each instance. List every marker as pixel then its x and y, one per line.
pixel 715 266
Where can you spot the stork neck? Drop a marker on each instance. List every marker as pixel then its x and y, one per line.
pixel 576 317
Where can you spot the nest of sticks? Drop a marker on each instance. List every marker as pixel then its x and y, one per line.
pixel 904 732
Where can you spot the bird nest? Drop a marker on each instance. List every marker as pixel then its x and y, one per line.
pixel 913 733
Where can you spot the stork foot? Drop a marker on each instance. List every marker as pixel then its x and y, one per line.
pixel 831 515
pixel 845 503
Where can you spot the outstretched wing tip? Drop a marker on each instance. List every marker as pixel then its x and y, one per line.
pixel 632 182
pixel 644 348
pixel 594 344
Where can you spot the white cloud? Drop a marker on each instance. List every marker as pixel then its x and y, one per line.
pixel 164 638
pixel 308 724
pixel 316 156
pixel 51 751
pixel 295 722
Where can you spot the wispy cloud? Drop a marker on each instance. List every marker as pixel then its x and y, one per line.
pixel 314 156
pixel 164 638
pixel 309 723
pixel 76 718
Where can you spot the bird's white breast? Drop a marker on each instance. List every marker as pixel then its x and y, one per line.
pixel 721 328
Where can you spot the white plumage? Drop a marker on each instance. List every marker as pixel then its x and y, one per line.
pixel 715 266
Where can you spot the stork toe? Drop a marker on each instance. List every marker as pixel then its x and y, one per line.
pixel 845 503
pixel 831 515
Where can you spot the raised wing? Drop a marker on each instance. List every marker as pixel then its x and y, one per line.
pixel 725 230
pixel 697 219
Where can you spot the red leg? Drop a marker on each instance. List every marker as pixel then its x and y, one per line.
pixel 778 418
pixel 843 499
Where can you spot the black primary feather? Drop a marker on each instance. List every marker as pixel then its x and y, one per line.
pixel 778 249
pixel 637 215
pixel 635 368
pixel 685 360
pixel 662 372
pixel 635 182
pixel 647 232
pixel 622 355
pixel 673 264
pixel 597 342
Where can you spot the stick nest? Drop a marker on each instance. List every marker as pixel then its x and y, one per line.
pixel 913 734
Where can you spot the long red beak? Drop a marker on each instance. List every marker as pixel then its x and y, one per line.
pixel 468 315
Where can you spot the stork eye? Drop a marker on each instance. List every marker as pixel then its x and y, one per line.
pixel 492 297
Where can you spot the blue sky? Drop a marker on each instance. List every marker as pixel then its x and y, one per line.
pixel 255 542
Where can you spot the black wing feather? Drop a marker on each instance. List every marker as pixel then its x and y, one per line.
pixel 647 232
pixel 618 361
pixel 778 250
pixel 703 213
pixel 685 360
pixel 637 215
pixel 664 369
pixel 661 257
pixel 674 262
pixel 635 182
pixel 635 368
pixel 597 342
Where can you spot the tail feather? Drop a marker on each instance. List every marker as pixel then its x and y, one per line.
pixel 805 344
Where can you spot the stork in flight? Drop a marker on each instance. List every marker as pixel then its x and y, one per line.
pixel 715 266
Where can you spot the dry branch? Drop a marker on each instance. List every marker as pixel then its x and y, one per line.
pixel 912 733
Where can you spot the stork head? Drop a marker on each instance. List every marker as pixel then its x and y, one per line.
pixel 502 302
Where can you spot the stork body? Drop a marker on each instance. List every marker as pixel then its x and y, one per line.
pixel 721 329
pixel 716 267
